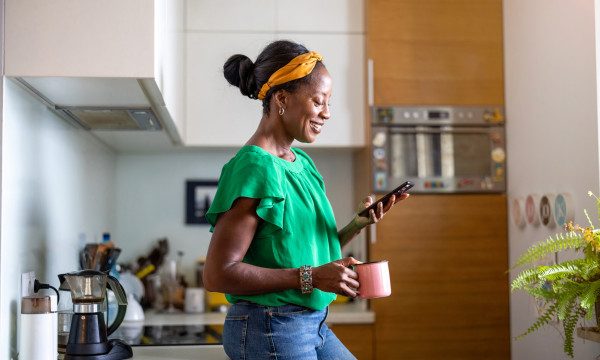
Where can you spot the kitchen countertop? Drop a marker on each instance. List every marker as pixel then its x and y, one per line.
pixel 345 313
pixel 179 352
pixel 355 312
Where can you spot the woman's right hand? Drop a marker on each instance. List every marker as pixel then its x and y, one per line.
pixel 336 277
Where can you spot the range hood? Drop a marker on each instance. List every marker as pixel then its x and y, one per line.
pixel 83 102
pixel 117 69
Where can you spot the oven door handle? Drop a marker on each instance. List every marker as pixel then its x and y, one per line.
pixel 439 131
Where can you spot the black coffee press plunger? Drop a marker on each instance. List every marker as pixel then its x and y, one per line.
pixel 88 337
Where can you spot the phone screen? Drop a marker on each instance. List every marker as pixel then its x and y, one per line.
pixel 397 191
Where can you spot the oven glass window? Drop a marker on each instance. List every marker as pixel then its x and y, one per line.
pixel 471 154
pixel 429 156
pixel 403 162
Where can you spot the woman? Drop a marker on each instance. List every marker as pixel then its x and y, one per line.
pixel 275 250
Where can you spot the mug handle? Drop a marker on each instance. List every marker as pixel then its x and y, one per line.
pixel 117 288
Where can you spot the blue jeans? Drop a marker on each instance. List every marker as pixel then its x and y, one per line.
pixel 285 332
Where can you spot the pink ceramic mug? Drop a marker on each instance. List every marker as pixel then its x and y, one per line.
pixel 373 279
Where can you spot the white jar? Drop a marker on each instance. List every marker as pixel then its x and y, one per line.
pixel 38 331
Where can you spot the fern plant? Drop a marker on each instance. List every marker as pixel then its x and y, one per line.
pixel 575 284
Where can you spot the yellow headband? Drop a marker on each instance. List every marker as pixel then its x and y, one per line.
pixel 299 67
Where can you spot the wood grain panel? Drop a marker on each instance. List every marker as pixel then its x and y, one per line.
pixel 436 52
pixel 447 257
pixel 357 338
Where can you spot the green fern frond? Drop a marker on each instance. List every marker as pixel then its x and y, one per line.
pixel 588 217
pixel 526 277
pixel 540 293
pixel 570 240
pixel 569 324
pixel 590 294
pixel 544 319
pixel 583 268
pixel 566 304
pixel 591 269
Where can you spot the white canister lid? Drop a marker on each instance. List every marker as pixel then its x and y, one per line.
pixel 36 304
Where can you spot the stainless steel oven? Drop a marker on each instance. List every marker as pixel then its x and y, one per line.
pixel 439 148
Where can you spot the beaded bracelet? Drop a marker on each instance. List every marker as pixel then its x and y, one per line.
pixel 306 279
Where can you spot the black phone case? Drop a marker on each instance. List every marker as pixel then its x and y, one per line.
pixel 397 191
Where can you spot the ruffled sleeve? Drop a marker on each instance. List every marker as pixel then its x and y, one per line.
pixel 250 175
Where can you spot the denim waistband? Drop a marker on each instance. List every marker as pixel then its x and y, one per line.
pixel 280 308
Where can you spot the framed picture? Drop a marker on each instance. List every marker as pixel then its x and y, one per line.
pixel 199 195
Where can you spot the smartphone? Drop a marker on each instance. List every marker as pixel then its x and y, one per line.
pixel 397 191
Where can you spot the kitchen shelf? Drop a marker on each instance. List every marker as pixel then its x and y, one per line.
pixel 591 333
pixel 348 313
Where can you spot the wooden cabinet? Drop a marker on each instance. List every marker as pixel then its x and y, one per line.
pixel 358 338
pixel 218 115
pixel 448 258
pixel 436 52
pixel 447 253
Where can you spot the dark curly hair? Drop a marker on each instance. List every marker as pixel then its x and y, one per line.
pixel 240 71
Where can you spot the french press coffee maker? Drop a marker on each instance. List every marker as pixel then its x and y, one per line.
pixel 88 337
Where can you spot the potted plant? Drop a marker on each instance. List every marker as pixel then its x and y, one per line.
pixel 571 287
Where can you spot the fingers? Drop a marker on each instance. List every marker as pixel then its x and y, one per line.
pixel 349 284
pixel 337 277
pixel 347 291
pixel 350 277
pixel 402 197
pixel 375 216
pixel 352 282
pixel 348 261
pixel 390 203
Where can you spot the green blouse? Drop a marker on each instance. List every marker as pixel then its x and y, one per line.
pixel 298 226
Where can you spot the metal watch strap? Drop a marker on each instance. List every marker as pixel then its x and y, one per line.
pixel 306 279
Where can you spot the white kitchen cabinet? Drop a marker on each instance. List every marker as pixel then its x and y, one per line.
pixel 343 55
pixel 217 113
pixel 317 16
pixel 231 15
pixel 338 16
pixel 84 57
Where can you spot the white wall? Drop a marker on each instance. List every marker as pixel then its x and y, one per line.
pixel 151 193
pixel 552 135
pixel 61 187
pixel 58 186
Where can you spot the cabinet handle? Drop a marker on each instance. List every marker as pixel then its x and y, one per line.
pixel 370 85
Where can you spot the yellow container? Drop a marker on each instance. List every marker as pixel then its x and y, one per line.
pixel 215 301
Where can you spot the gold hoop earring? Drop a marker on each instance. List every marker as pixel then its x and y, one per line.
pixel 281 111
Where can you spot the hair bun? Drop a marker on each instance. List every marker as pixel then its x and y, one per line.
pixel 239 71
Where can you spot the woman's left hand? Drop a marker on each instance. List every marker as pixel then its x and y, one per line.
pixel 377 214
